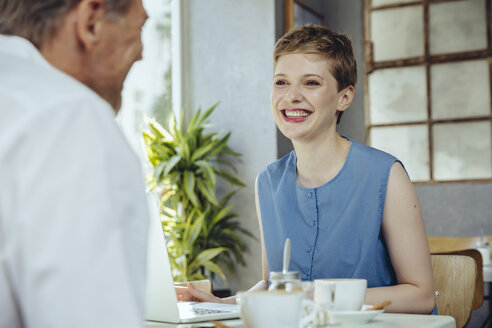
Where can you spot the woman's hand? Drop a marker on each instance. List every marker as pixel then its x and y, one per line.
pixel 193 294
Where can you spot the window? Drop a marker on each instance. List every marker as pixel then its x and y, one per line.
pixel 428 86
pixel 148 87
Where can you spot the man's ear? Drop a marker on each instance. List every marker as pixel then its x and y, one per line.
pixel 90 20
pixel 345 98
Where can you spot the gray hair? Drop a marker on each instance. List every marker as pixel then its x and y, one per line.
pixel 38 20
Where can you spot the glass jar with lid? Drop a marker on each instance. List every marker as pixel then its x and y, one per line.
pixel 289 281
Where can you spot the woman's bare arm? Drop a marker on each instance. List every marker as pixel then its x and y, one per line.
pixel 404 233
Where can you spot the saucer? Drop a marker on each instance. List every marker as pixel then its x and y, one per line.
pixel 356 317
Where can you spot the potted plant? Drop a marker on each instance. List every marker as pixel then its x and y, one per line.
pixel 201 230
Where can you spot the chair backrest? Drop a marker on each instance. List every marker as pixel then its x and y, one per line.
pixel 438 244
pixel 458 279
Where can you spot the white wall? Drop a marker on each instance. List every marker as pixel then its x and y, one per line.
pixel 227 47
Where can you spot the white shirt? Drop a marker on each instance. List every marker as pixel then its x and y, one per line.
pixel 73 213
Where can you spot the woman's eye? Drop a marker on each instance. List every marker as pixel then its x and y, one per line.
pixel 312 83
pixel 280 82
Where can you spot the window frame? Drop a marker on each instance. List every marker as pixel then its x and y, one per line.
pixel 289 13
pixel 427 60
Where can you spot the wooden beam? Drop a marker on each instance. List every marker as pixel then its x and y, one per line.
pixel 289 14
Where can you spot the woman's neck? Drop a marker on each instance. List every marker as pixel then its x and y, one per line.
pixel 319 162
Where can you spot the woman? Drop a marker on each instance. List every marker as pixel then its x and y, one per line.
pixel 350 210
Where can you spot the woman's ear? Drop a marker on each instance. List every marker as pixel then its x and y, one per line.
pixel 345 98
pixel 91 16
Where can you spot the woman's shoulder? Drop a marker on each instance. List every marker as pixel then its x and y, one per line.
pixel 278 167
pixel 368 153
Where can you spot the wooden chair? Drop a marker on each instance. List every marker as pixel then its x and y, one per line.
pixel 438 244
pixel 458 280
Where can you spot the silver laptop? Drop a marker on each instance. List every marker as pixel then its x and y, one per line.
pixel 162 304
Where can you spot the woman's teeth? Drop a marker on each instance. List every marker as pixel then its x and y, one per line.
pixel 297 113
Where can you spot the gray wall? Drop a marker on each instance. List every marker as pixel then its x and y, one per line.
pixel 227 45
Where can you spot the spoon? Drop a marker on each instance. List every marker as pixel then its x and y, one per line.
pixel 286 256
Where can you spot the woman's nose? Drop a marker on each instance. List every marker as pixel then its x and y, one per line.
pixel 294 94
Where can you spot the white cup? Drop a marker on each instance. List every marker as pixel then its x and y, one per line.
pixel 273 309
pixel 349 293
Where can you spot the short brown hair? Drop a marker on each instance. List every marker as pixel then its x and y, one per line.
pixel 321 40
pixel 38 20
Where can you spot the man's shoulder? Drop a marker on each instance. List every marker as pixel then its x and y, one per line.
pixel 39 87
pixel 29 82
pixel 49 105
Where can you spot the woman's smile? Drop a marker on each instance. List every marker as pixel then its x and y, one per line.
pixel 295 115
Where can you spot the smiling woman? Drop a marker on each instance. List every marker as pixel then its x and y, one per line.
pixel 357 214
pixel 349 210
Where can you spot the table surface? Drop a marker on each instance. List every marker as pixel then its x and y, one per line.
pixel 384 320
pixel 381 321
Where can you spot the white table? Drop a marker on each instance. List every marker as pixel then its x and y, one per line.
pixel 384 320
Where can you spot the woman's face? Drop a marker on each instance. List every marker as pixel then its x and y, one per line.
pixel 305 97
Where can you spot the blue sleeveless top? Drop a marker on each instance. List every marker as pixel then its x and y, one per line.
pixel 335 229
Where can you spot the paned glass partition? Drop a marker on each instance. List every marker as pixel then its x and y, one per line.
pixel 428 86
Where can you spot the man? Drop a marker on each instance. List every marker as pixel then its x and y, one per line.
pixel 73 215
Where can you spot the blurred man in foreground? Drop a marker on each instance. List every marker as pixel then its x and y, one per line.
pixel 73 215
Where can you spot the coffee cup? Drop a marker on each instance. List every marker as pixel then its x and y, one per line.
pixel 346 294
pixel 274 309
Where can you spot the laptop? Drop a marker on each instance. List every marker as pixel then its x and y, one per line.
pixel 161 303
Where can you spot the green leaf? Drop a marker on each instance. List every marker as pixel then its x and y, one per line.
pixel 208 191
pixel 184 151
pixel 228 151
pixel 218 147
pixel 158 130
pixel 221 215
pixel 189 187
pixel 207 114
pixel 200 152
pixel 227 163
pixel 207 170
pixel 229 177
pixel 191 125
pixel 207 255
pixel 226 198
pixel 194 231
pixel 212 267
pixel 171 164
